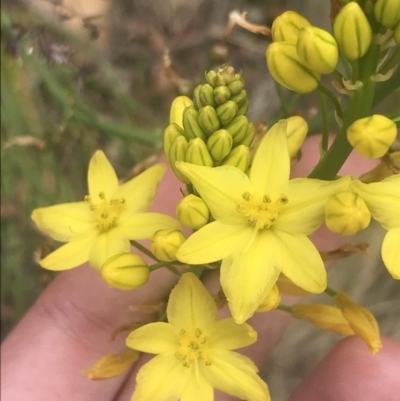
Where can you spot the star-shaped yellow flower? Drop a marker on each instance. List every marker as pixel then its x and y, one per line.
pixel 383 201
pixel 195 351
pixel 261 227
pixel 102 225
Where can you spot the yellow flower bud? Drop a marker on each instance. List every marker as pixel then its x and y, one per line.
pixel 346 213
pixel 243 108
pixel 193 212
pixel 227 111
pixel 165 243
pixel 287 26
pixel 225 75
pixel 396 34
pixel 220 144
pixel 222 94
pixel 206 95
pixel 191 124
pixel 361 320
pixel 324 317
pixel 238 128
pixel 176 112
pixel 387 12
pixel 250 134
pixel 352 31
pixel 170 134
pixel 210 77
pixel 125 271
pixel 318 50
pixel 296 130
pixel 236 87
pixel 177 153
pixel 287 287
pixel 239 157
pixel 196 97
pixel 372 136
pixel 197 153
pixel 271 301
pixel 287 69
pixel 240 98
pixel 208 120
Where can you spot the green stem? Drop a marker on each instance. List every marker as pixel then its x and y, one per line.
pixel 167 265
pixel 391 63
pixel 324 142
pixel 333 99
pixel 330 292
pixel 355 71
pixel 285 308
pixel 144 250
pixel 282 101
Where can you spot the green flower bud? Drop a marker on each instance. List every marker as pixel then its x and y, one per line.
pixel 211 77
pixel 165 243
pixel 243 108
pixel 238 128
pixel 346 213
pixel 225 75
pixel 221 94
pixel 396 34
pixel 236 87
pixel 125 271
pixel 227 111
pixel 387 12
pixel 192 212
pixel 196 97
pixel 207 95
pixel 287 69
pixel 352 31
pixel 191 124
pixel 208 120
pixel 197 153
pixel 240 98
pixel 177 153
pixel 239 157
pixel 250 133
pixel 317 49
pixel 296 130
pixel 220 144
pixel 170 134
pixel 176 112
pixel 372 136
pixel 287 26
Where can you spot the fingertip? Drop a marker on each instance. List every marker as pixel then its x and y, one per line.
pixel 350 372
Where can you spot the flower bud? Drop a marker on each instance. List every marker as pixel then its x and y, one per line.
pixel 352 31
pixel 240 98
pixel 197 153
pixel 243 108
pixel 210 77
pixel 396 34
pixel 287 26
pixel 226 112
pixel 177 153
pixel 206 95
pixel 271 301
pixel 239 157
pixel 250 133
pixel 387 12
pixel 208 120
pixel 220 144
pixel 191 124
pixel 221 94
pixel 317 49
pixel 176 112
pixel 225 75
pixel 287 69
pixel 125 271
pixel 361 320
pixel 196 97
pixel 346 213
pixel 372 136
pixel 236 87
pixel 165 243
pixel 192 212
pixel 170 134
pixel 238 128
pixel 296 130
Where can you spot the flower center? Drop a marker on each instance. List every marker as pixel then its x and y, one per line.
pixel 193 346
pixel 260 212
pixel 105 212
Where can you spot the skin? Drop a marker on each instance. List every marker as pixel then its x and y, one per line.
pixel 69 327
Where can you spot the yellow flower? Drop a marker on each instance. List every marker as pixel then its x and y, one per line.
pixel 195 351
pixel 383 201
pixel 261 227
pixel 102 225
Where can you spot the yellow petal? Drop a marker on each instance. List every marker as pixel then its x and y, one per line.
pixel 271 165
pixel 68 256
pixel 65 222
pixel 220 187
pixel 300 261
pixel 213 242
pixel 190 305
pixel 101 176
pixel 236 375
pixel 197 388
pixel 112 365
pixel 304 212
pixel 162 378
pixel 229 335
pixel 139 191
pixel 249 275
pixel 106 245
pixel 154 338
pixel 391 252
